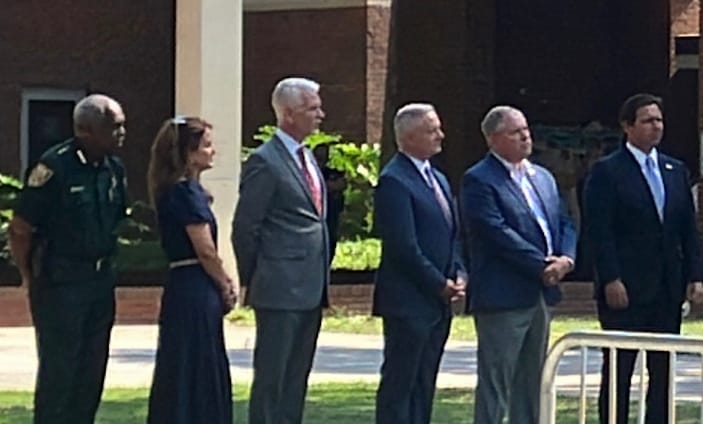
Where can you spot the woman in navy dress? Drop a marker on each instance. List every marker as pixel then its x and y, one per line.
pixel 192 382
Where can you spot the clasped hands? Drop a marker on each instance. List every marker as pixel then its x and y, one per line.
pixel 556 268
pixel 616 294
pixel 229 295
pixel 454 290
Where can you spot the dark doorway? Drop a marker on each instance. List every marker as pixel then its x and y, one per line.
pixel 50 122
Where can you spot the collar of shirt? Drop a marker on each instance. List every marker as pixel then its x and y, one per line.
pixel 291 145
pixel 641 156
pixel 516 170
pixel 421 165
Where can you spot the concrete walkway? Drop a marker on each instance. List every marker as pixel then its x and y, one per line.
pixel 339 357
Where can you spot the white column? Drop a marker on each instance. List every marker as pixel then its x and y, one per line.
pixel 209 85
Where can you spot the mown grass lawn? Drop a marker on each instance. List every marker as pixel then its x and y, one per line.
pixel 462 326
pixel 348 403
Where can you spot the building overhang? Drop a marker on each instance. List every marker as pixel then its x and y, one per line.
pixel 281 5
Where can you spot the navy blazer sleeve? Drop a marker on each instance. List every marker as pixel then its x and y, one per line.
pixel 567 232
pixel 689 237
pixel 461 255
pixel 599 204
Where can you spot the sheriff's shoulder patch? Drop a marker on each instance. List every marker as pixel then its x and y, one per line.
pixel 39 175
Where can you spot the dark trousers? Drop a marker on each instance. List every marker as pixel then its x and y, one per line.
pixel 662 317
pixel 73 337
pixel 285 346
pixel 412 352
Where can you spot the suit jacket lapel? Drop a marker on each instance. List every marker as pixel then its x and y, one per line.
pixel 512 186
pixel 635 170
pixel 295 170
pixel 516 190
pixel 541 189
pixel 422 185
pixel 323 188
pixel 666 170
pixel 446 192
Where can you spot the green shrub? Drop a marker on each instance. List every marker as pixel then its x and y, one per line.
pixel 139 225
pixel 145 255
pixel 358 255
pixel 10 188
pixel 360 163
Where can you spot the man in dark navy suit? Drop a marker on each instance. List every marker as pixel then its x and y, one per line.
pixel 521 245
pixel 421 270
pixel 642 226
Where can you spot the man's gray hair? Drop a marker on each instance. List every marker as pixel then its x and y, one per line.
pixel 91 111
pixel 288 92
pixel 493 121
pixel 408 116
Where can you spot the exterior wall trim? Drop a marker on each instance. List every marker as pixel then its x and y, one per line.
pixel 283 5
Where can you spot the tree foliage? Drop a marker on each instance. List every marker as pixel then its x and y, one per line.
pixel 360 163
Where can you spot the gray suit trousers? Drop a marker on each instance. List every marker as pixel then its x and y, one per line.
pixel 285 346
pixel 512 345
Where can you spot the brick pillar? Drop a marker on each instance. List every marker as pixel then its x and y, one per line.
pixel 377 32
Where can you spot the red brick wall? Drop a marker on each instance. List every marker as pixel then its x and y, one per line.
pixel 685 16
pixel 140 305
pixel 378 26
pixel 124 49
pixel 128 53
pixel 700 74
pixel 685 20
pixel 326 45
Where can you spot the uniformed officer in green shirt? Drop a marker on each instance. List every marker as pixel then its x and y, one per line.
pixel 63 238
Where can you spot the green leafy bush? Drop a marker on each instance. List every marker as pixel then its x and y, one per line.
pixel 139 225
pixel 145 255
pixel 10 188
pixel 360 163
pixel 358 255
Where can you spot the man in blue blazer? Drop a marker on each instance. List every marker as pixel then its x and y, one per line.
pixel 642 225
pixel 521 245
pixel 420 271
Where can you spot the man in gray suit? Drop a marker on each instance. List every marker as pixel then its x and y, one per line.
pixel 280 240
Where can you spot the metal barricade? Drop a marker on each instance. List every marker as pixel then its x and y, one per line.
pixel 613 340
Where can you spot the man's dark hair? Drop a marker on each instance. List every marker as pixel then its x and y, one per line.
pixel 628 110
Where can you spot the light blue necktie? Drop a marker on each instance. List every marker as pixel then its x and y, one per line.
pixel 535 205
pixel 654 180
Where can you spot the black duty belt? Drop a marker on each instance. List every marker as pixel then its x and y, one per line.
pixel 96 265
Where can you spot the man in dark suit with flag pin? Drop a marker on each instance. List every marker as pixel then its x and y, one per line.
pixel 642 226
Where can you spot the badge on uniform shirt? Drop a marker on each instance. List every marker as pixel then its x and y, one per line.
pixel 39 175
